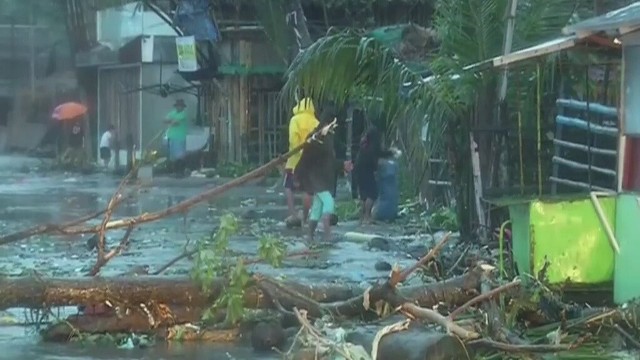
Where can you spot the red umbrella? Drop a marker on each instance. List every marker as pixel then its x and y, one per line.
pixel 69 111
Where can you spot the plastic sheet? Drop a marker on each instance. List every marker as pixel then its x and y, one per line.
pixel 194 18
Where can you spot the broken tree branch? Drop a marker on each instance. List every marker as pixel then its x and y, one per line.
pixel 301 315
pixel 453 291
pixel 482 297
pixel 398 277
pixel 48 228
pixel 111 206
pixel 412 310
pixel 495 345
pixel 102 261
pixel 113 203
pixel 180 207
pixel 633 342
pixel 185 254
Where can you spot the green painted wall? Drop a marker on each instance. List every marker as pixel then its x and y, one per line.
pixel 627 269
pixel 569 235
pixel 520 233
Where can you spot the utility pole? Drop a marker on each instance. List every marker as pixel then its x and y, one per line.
pixel 508 43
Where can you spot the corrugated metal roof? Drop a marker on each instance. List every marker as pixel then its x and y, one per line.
pixel 545 48
pixel 623 20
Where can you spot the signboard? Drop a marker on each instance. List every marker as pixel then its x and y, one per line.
pixel 187 59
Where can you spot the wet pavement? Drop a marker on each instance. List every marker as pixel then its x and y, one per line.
pixel 30 198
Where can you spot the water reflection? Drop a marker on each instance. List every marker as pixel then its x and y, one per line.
pixel 20 345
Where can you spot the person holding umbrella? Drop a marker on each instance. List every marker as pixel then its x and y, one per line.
pixel 72 117
pixel 177 136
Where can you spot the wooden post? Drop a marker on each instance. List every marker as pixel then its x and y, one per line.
pixel 603 220
pixel 234 125
pixel 477 182
pixel 262 107
pixel 244 52
pixel 349 143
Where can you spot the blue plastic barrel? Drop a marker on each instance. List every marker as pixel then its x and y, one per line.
pixel 386 208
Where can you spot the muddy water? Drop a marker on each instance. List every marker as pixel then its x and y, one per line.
pixel 32 198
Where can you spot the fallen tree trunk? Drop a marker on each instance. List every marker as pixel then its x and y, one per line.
pixel 81 324
pixel 135 322
pixel 37 292
pixel 177 300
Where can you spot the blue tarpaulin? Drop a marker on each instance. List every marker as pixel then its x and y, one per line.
pixel 194 17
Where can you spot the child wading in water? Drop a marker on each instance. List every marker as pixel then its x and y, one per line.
pixel 316 173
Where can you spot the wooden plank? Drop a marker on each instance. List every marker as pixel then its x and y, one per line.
pixel 581 124
pixel 545 48
pixel 579 166
pixel 591 107
pixel 578 184
pixel 584 148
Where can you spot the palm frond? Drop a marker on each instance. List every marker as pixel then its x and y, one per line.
pixel 540 20
pixel 470 30
pixel 338 64
pixel 272 17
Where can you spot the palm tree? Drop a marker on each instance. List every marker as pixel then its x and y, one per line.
pixel 453 100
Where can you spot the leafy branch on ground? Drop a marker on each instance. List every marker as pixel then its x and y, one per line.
pixel 348 210
pixel 212 261
pixel 444 219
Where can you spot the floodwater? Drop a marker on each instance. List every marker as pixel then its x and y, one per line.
pixel 29 198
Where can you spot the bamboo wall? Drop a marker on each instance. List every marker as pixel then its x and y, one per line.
pixel 243 107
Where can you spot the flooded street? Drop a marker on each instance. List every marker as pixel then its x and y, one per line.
pixel 30 198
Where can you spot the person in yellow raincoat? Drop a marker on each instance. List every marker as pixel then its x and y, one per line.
pixel 302 123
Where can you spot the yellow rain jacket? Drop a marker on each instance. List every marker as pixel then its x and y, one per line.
pixel 301 125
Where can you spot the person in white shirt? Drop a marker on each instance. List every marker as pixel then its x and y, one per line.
pixel 105 145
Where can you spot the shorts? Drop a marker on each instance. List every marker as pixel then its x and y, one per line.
pixel 177 149
pixel 105 153
pixel 367 187
pixel 290 180
pixel 323 204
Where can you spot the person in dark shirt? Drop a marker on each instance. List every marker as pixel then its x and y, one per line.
pixel 364 172
pixel 76 135
pixel 316 173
